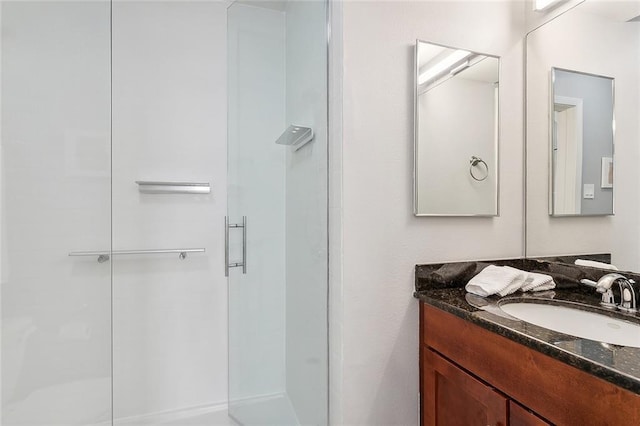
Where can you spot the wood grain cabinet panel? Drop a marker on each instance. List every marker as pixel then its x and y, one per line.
pixel 557 392
pixel 520 416
pixel 455 398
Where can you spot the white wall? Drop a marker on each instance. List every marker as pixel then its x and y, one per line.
pixel 382 240
pixel 169 124
pixel 536 18
pixel 602 39
pixel 335 130
pixel 626 226
pixel 56 310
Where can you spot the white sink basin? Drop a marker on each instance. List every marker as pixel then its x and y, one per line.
pixel 576 322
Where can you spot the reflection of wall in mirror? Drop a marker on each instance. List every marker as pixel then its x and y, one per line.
pixel 456 121
pixel 586 42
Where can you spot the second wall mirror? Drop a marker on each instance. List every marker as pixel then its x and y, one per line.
pixel 595 43
pixel 581 148
pixel 456 132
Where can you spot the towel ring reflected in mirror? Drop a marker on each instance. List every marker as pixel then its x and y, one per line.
pixel 475 161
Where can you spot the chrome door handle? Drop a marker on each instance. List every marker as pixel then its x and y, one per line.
pixel 226 246
pixel 244 244
pixel 227 264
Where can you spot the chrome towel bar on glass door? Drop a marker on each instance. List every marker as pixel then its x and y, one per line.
pixel 227 226
pixel 103 256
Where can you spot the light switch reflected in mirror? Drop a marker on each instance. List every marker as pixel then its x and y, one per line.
pixel 582 134
pixel 603 39
pixel 456 132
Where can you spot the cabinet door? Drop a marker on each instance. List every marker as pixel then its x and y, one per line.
pixel 451 397
pixel 520 416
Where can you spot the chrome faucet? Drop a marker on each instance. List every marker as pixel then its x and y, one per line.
pixel 627 292
pixel 628 296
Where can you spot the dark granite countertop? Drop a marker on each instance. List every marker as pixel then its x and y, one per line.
pixel 619 365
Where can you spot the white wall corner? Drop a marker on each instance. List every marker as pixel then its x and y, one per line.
pixel 335 211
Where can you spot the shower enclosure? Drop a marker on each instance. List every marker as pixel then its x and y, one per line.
pixel 129 131
pixel 277 212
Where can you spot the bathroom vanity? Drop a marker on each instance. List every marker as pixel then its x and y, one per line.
pixel 477 367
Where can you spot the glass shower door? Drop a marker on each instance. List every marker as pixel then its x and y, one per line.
pixel 56 203
pixel 168 290
pixel 277 213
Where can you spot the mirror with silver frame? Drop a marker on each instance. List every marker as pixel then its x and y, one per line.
pixel 456 132
pixel 582 125
pixel 603 39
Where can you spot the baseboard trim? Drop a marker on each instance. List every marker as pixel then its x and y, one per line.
pixel 258 398
pixel 170 416
pixel 167 416
pixel 239 404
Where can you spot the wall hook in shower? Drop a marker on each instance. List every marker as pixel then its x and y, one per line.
pixel 296 136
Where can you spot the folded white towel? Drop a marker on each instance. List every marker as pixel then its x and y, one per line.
pixel 496 280
pixel 594 264
pixel 504 280
pixel 537 282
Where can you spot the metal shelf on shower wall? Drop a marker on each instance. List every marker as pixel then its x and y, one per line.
pixel 296 136
pixel 153 187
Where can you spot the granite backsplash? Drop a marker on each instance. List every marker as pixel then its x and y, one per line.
pixel 457 274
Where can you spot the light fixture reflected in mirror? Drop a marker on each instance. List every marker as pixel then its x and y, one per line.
pixel 442 65
pixel 543 5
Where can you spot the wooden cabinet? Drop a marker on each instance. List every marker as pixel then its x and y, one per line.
pixel 520 416
pixel 453 397
pixel 457 398
pixel 471 376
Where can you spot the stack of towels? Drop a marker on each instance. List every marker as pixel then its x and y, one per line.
pixel 504 280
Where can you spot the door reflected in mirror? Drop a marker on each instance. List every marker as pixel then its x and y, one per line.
pixel 456 133
pixel 581 143
pixel 603 39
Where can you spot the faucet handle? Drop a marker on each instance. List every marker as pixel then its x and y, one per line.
pixel 627 296
pixel 608 300
pixel 603 286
